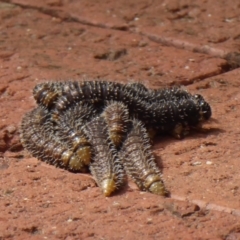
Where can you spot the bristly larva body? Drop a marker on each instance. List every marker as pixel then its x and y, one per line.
pixel 152 107
pixel 105 127
pixel 139 162
pixel 38 139
pixel 163 113
pixel 173 94
pixel 47 93
pixel 169 115
pixel 106 167
pixel 116 116
pixel 139 91
pixel 69 127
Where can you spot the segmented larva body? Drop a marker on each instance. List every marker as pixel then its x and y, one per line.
pixel 81 124
pixel 77 115
pixel 169 115
pixel 47 93
pixel 69 129
pixel 98 92
pixel 38 139
pixel 91 91
pixel 137 90
pixel 161 112
pixel 140 92
pixel 170 94
pixel 106 167
pixel 147 105
pixel 139 162
pixel 116 116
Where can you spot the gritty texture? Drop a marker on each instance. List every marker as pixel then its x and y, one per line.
pixel 195 44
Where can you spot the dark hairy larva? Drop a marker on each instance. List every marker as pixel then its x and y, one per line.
pixel 168 115
pixel 140 92
pixel 173 93
pixel 106 167
pixel 150 106
pixel 91 91
pixel 139 161
pixel 69 126
pixel 36 137
pixel 106 127
pixel 168 109
pixel 77 115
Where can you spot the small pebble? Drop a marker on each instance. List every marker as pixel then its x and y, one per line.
pixel 208 162
pixel 196 163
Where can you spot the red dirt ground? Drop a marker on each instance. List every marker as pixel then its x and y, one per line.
pixel 191 43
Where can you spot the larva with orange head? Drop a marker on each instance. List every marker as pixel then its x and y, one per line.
pixel 145 104
pixel 139 162
pixel 116 116
pixel 38 138
pixel 172 110
pixel 106 167
pixel 69 129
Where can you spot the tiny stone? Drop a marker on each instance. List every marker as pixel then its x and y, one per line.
pixel 116 204
pixel 208 162
pixel 196 163
pixel 149 220
pixel 11 129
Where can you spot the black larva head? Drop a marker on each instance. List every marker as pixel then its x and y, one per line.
pixel 205 109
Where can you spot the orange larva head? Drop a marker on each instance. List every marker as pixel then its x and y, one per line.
pixel 75 164
pixel 157 188
pixel 154 184
pixel 84 155
pixel 66 156
pixel 108 186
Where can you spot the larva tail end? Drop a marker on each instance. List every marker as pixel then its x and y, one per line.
pixel 155 185
pixel 158 188
pixel 108 187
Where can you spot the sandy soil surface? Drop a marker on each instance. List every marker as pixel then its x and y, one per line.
pixel 194 44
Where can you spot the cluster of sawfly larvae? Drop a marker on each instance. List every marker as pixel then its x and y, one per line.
pixel 105 127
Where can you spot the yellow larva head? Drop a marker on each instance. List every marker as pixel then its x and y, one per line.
pixel 84 155
pixel 75 164
pixel 66 156
pixel 108 186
